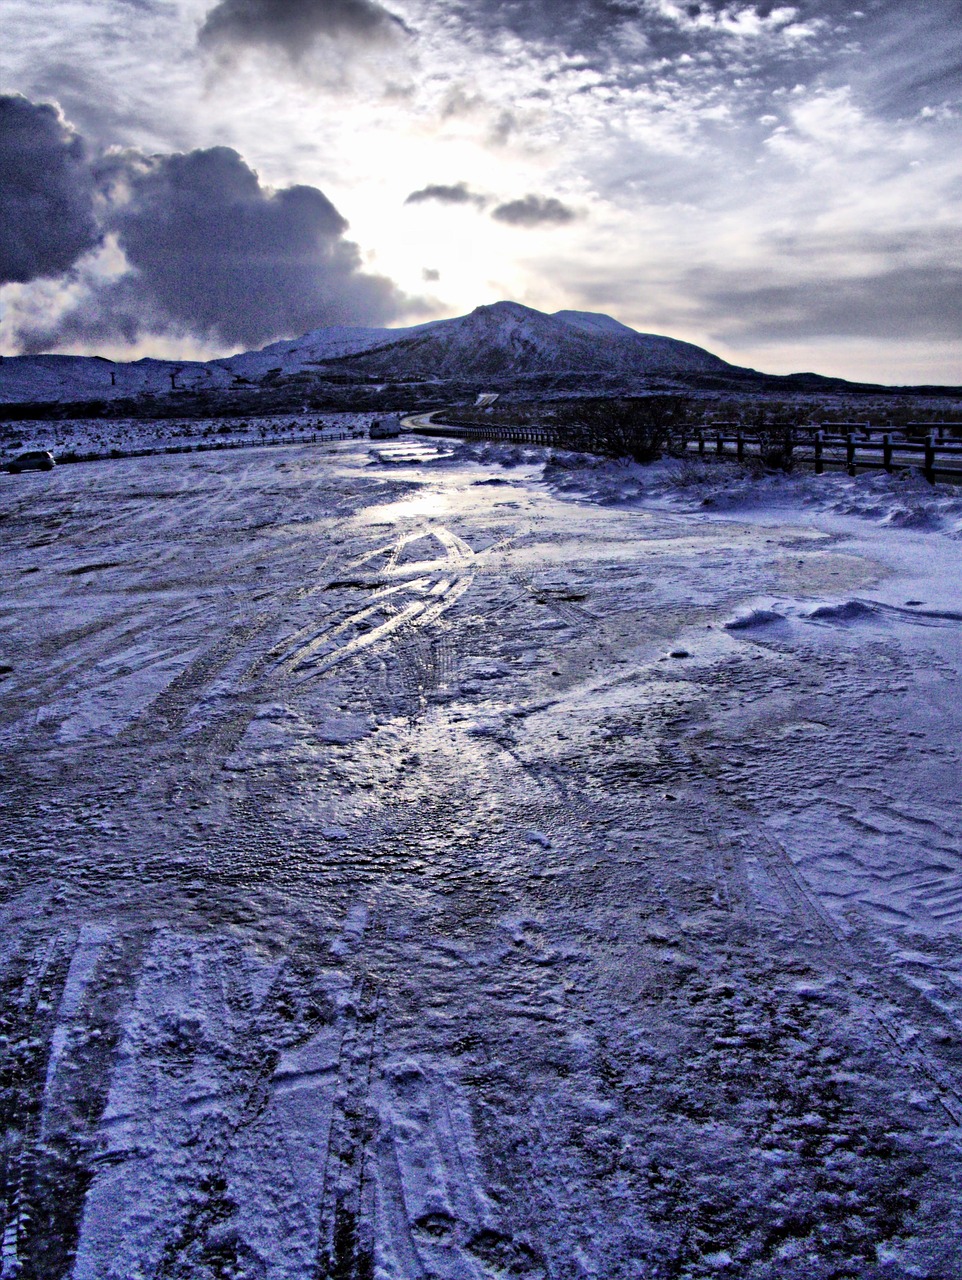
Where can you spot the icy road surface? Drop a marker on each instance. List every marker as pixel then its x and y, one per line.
pixel 382 898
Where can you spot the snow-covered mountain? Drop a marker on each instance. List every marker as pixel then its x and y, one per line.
pixel 310 350
pixel 501 340
pixel 504 338
pixel 509 339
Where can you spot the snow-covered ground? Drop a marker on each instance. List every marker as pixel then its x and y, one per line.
pixel 422 863
pixel 100 435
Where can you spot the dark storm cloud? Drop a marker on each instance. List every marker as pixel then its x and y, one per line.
pixel 46 192
pixel 902 302
pixel 458 193
pixel 216 256
pixel 531 211
pixel 534 211
pixel 294 25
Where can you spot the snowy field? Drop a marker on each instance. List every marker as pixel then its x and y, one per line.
pixel 419 863
pixel 100 435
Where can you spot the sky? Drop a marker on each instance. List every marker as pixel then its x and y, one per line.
pixel 779 183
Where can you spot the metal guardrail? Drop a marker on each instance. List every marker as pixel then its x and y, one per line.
pixel 510 435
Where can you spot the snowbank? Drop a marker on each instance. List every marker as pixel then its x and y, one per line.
pixel 903 500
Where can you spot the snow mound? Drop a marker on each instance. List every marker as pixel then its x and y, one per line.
pixel 491 453
pixel 903 500
pixel 937 615
pixel 847 611
pixel 854 611
pixel 754 619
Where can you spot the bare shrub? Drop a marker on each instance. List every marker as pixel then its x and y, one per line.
pixel 640 429
pixel 772 426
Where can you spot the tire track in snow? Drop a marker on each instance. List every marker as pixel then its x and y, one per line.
pixel 868 984
pixel 222 1075
pixel 345 1235
pixel 436 584
pixel 902 1019
pixel 878 997
pixel 436 1220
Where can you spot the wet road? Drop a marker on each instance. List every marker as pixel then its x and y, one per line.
pixel 382 898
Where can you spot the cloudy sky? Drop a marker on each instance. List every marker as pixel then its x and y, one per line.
pixel 781 183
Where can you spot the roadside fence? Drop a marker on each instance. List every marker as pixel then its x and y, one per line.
pixel 936 453
pixel 872 449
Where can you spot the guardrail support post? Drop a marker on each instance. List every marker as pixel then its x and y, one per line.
pixel 930 458
pixel 740 447
pixel 701 444
pixel 719 443
pixel 819 464
pixel 850 453
pixel 887 451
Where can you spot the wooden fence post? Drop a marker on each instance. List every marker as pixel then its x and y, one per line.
pixel 850 453
pixel 701 444
pixel 819 464
pixel 740 447
pixel 887 451
pixel 719 442
pixel 929 469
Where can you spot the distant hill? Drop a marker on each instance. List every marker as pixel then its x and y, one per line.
pixel 505 347
pixel 59 378
pixel 507 339
pixel 501 340
pixel 310 350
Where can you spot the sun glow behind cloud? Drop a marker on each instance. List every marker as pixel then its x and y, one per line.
pixel 733 173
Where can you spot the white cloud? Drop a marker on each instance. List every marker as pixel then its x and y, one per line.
pixel 680 134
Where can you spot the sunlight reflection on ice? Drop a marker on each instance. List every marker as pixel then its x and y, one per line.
pixel 427 504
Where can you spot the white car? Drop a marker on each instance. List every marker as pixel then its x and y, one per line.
pixel 386 428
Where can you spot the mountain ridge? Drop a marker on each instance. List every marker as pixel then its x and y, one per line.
pixel 503 346
pixel 508 338
pixel 500 339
